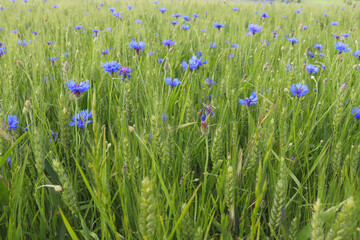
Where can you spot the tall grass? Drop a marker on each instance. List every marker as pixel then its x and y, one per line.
pixel 147 166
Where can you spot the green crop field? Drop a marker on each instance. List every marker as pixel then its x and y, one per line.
pixel 179 120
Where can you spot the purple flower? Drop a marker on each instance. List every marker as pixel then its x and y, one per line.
pixel 174 22
pixel 168 43
pixel 78 27
pixel 289 67
pixel 235 9
pixel 218 25
pixel 299 89
pixel 212 45
pixel 186 18
pixel 112 9
pixel 356 112
pixel 176 15
pixel 210 82
pixel 118 15
pixel 129 7
pixel 81 119
pixel 22 42
pixel 11 122
pixel 293 40
pixel 53 136
pixel 264 15
pixel 252 100
pixel 172 83
pixel 311 55
pixel 111 67
pixel 162 10
pixel 321 54
pixel 334 23
pixel 104 52
pixel 185 27
pixel 138 21
pixel 357 54
pixel 138 46
pixel 312 69
pixel 52 60
pixel 77 89
pixel 341 47
pixel 318 46
pixel 208 109
pixel 254 28
pixel 194 63
pixel 125 72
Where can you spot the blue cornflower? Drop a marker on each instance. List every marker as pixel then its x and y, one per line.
pixel 168 43
pixel 117 14
pixel 54 6
pixel 138 46
pixel 34 32
pixel 357 54
pixel 210 82
pixel 194 63
pixel 299 89
pixel 2 51
pixel 112 9
pixel 104 52
pixel 346 35
pixel 160 60
pixel 9 161
pixel 293 40
pixel 334 23
pixel 138 21
pixel 81 119
pixel 298 11
pixel 265 43
pixel 172 83
pixel 254 28
pixel 77 89
pixel 208 109
pixel 234 45
pixel 235 9
pixel 231 56
pixel 78 27
pixel 176 15
pixel 186 18
pixel 185 27
pixel 252 100
pixel 11 122
pixel 22 42
pixel 204 126
pixel 321 54
pixel 356 112
pixel 15 31
pixel 312 69
pixel 318 46
pixel 213 45
pixel 162 10
pixel 310 54
pixel 111 67
pixel 174 22
pixel 101 4
pixel 341 47
pixel 52 60
pixel 48 42
pixel 264 15
pixel 195 15
pixel 125 72
pixel 218 25
pixel 129 7
pixel 53 136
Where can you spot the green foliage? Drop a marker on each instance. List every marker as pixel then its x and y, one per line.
pixel 285 168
